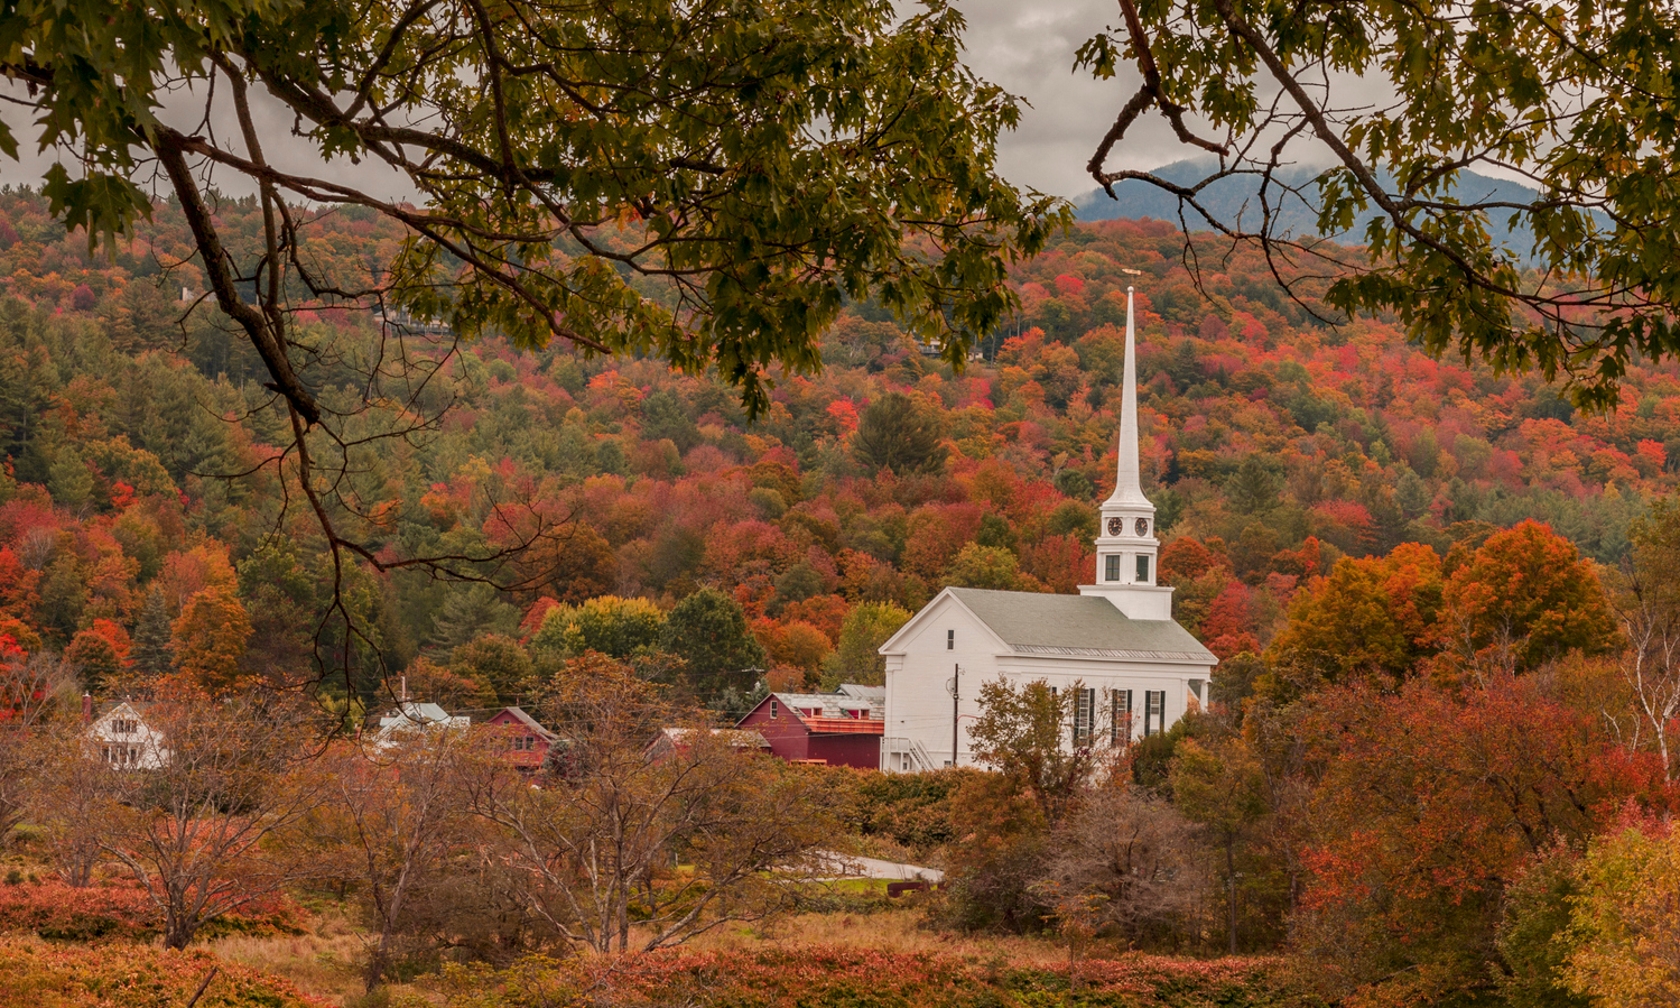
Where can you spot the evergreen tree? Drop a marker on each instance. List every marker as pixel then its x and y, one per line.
pixel 68 479
pixel 469 612
pixel 64 596
pixel 1252 489
pixel 708 630
pixel 894 434
pixel 152 632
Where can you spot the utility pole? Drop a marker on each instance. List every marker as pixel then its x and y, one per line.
pixel 956 672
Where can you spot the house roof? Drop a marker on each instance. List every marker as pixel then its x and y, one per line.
pixel 830 701
pixel 412 715
pixel 874 694
pixel 1085 626
pixel 736 738
pixel 416 710
pixel 527 721
pixel 518 715
pixel 830 717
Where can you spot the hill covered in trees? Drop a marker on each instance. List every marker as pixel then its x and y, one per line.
pixel 1441 729
pixel 142 528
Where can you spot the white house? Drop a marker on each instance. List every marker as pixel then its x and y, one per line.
pixel 411 716
pixel 1139 671
pixel 124 740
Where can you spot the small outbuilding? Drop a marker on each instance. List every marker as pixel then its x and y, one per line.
pixel 843 728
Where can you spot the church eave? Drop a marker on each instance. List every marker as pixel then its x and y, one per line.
pixel 1169 657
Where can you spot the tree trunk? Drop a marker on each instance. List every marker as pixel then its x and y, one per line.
pixel 376 961
pixel 1231 887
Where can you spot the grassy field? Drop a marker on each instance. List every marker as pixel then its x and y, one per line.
pixel 864 951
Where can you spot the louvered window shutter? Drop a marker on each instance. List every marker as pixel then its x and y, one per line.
pixel 1120 718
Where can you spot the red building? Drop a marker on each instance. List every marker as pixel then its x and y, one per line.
pixel 842 728
pixel 527 741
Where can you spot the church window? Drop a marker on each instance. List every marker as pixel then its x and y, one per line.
pixel 1143 568
pixel 1154 712
pixel 1120 718
pixel 950 640
pixel 1111 567
pixel 1084 716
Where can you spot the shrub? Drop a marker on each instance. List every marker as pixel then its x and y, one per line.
pixel 52 909
pixel 911 810
pixel 122 910
pixel 869 979
pixel 34 972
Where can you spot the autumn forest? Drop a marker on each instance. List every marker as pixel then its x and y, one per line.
pixel 1436 765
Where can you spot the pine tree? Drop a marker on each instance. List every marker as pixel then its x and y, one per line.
pixel 469 612
pixel 1252 489
pixel 893 433
pixel 151 654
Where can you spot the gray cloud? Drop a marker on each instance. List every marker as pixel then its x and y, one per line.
pixel 1027 48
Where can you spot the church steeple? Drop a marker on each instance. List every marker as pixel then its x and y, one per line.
pixel 1127 549
pixel 1127 489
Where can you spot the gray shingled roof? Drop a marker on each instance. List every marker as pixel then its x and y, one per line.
pixel 874 694
pixel 832 704
pixel 1033 623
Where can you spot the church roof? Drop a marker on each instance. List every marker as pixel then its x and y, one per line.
pixel 1033 623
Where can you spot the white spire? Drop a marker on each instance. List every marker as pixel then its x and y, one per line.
pixel 1127 489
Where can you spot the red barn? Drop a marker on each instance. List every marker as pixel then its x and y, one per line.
pixel 843 728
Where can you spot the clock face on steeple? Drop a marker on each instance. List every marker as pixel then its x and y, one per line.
pixel 1115 526
pixel 1142 526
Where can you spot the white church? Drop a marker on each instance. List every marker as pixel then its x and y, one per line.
pixel 1138 670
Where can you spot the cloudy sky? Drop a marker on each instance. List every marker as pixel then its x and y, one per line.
pixel 1026 46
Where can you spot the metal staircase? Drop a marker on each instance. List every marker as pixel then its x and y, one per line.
pixel 893 748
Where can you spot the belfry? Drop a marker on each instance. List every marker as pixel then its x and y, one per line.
pixel 1127 550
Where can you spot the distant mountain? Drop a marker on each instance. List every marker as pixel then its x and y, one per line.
pixel 1228 198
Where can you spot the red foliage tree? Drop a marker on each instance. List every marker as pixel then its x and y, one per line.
pixel 1431 801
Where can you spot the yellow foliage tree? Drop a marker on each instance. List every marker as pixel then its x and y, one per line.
pixel 1624 930
pixel 1370 615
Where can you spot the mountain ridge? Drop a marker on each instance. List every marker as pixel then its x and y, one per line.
pixel 1240 195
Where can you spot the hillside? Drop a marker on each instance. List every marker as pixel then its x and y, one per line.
pixel 1276 441
pixel 1439 742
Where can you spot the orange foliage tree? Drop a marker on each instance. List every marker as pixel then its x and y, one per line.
pixel 1370 616
pixel 1526 596
pixel 209 637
